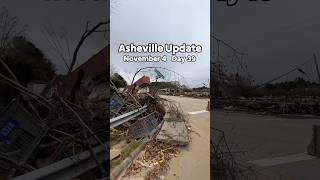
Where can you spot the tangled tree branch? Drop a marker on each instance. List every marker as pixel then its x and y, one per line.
pixel 84 36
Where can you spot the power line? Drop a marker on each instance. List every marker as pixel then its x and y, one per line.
pixel 226 44
pixel 282 75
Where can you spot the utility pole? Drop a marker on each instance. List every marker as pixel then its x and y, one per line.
pixel 317 67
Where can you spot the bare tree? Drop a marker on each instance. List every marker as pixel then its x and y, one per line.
pixel 10 26
pixel 85 35
pixel 59 43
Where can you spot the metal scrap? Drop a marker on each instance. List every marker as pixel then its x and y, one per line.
pixel 20 134
pixel 143 127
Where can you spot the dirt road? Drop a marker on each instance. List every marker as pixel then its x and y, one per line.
pixel 194 161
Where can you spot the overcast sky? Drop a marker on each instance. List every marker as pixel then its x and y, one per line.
pixel 277 35
pixel 65 16
pixel 162 21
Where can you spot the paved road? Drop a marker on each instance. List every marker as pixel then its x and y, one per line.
pixel 276 145
pixel 194 161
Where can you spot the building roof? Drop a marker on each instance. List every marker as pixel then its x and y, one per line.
pixel 96 65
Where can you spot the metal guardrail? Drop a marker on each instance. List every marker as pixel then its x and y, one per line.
pixel 68 168
pixel 114 122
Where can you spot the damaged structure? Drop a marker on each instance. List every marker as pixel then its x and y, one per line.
pixel 143 124
pixel 61 131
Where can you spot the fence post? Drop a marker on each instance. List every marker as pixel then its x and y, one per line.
pixel 315 136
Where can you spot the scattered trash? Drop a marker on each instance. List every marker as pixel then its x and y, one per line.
pixel 115 103
pixel 154 161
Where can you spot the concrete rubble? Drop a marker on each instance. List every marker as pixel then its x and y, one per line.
pixel 173 132
pixel 174 129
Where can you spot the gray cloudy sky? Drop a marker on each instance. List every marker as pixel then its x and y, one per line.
pixel 69 16
pixel 162 21
pixel 277 35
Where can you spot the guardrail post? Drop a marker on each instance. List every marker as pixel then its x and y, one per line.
pixel 315 138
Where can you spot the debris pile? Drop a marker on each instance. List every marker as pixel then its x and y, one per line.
pixel 223 163
pixel 67 120
pixel 143 116
pixel 186 92
pixel 134 114
pixel 270 105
